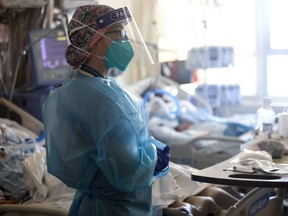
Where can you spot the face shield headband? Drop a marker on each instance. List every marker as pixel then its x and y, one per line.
pixel 142 57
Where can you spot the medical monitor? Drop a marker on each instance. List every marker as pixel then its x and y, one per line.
pixel 47 52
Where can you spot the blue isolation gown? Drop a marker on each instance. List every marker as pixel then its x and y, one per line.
pixel 97 142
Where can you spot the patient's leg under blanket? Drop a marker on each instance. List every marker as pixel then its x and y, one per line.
pixel 220 196
pixel 210 201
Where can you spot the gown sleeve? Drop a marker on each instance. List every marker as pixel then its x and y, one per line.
pixel 127 157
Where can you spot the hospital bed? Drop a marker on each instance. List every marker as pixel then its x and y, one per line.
pixel 28 128
pixel 56 207
pixel 260 201
pixel 209 139
pixel 35 209
pixel 267 197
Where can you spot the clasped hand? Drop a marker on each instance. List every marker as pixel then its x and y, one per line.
pixel 163 156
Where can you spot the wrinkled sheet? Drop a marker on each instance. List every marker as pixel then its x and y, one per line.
pixel 175 186
pixel 44 187
pixel 14 150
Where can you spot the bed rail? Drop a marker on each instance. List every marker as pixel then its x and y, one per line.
pixel 35 209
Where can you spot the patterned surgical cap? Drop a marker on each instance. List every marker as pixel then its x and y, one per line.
pixel 83 37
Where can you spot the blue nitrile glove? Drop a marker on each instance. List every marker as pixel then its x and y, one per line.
pixel 163 157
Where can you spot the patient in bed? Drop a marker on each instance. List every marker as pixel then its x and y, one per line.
pixel 176 121
pixel 211 201
pixel 176 194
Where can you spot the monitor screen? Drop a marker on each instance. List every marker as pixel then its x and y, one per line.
pixel 48 56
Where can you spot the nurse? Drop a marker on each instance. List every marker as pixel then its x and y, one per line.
pixel 96 133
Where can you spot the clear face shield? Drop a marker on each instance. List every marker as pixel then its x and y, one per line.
pixel 124 40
